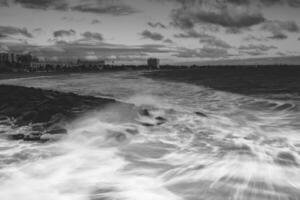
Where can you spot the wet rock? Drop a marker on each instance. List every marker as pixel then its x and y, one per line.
pixel 201 114
pixel 57 130
pixel 286 159
pixel 32 137
pixel 146 124
pixel 132 131
pixel 28 116
pixel 3 118
pixel 5 123
pixel 160 120
pixel 38 127
pixel 145 112
pixel 120 137
pixel 16 136
pixel 31 105
pixel 50 137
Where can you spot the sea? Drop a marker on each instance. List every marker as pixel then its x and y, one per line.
pixel 213 145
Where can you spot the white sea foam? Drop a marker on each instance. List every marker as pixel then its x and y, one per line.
pixel 243 148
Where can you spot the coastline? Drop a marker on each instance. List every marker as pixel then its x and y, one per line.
pixel 48 111
pixel 241 80
pixel 6 76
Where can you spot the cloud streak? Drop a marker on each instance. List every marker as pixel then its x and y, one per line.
pixel 62 33
pixel 152 35
pixel 13 31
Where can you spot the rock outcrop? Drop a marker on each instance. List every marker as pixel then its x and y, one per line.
pixel 46 111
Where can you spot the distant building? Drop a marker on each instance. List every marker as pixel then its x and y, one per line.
pixel 25 59
pixel 153 63
pixel 91 63
pixel 4 57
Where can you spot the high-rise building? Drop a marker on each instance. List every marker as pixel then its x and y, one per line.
pixel 4 57
pixel 153 63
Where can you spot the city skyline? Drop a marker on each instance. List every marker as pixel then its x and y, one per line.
pixel 130 31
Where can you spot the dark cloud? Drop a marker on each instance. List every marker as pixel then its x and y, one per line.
pixel 256 50
pixel 43 4
pixel 239 2
pixel 235 30
pixel 251 38
pixel 92 36
pixel 96 21
pixel 205 52
pixel 152 35
pixel 292 3
pixel 276 25
pixel 278 36
pixel 3 3
pixel 208 40
pixel 192 34
pixel 260 47
pixel 215 42
pixel 169 41
pixel 278 29
pixel 10 30
pixel 215 12
pixel 62 33
pixel 116 7
pixel 157 24
pixel 2 36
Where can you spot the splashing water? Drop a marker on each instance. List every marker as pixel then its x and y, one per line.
pixel 212 145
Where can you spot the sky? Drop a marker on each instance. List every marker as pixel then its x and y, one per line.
pixel 130 31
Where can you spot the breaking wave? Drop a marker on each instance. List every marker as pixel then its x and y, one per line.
pixel 186 142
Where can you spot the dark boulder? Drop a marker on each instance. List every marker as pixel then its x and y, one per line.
pixel 57 130
pixel 145 112
pixel 201 114
pixel 16 136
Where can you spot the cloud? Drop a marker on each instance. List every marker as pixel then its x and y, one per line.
pixel 43 4
pixel 2 36
pixel 96 21
pixel 191 34
pixel 169 41
pixel 10 30
pixel 92 36
pixel 3 3
pixel 62 33
pixel 215 42
pixel 3 48
pixel 278 36
pixel 208 40
pixel 278 29
pixel 255 50
pixel 235 30
pixel 222 13
pixel 157 24
pixel 151 35
pixel 251 38
pixel 276 25
pixel 260 47
pixel 292 3
pixel 205 52
pixel 116 7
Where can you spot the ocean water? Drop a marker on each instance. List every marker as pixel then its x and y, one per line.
pixel 238 147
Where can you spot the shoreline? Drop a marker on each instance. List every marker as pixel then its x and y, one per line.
pixel 7 76
pixel 47 111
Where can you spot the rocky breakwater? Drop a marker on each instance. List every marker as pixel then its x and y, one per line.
pixel 45 113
